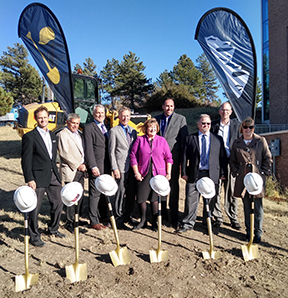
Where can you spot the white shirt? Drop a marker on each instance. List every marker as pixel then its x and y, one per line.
pixel 224 133
pixel 45 135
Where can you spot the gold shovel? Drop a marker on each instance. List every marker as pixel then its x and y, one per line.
pixel 120 255
pixel 250 251
pixel 210 254
pixel 158 255
pixel 76 272
pixel 24 282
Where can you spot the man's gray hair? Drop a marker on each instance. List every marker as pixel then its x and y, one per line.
pixel 98 105
pixel 202 116
pixel 123 109
pixel 73 116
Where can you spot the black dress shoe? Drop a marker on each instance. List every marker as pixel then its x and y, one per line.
pixel 69 228
pixel 122 226
pixel 38 243
pixel 217 224
pixel 140 226
pixel 58 235
pixel 132 221
pixel 235 226
pixel 82 223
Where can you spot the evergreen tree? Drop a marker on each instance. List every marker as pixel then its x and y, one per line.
pixel 19 77
pixel 108 75
pixel 165 79
pixel 209 79
pixel 258 92
pixel 88 69
pixel 6 102
pixel 78 69
pixel 126 80
pixel 187 74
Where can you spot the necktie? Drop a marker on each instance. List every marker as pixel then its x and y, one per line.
pixel 203 156
pixel 104 130
pixel 165 126
pixel 128 135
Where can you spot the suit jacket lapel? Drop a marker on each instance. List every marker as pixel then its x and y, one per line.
pixel 98 131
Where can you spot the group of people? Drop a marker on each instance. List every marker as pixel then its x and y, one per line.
pixel 224 150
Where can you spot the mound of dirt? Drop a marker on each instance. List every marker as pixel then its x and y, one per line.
pixel 185 274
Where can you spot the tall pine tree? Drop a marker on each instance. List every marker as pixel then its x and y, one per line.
pixel 19 77
pixel 211 86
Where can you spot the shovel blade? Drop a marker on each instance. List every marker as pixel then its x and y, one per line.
pixel 157 256
pixel 54 75
pixel 120 256
pixel 250 252
pixel 24 282
pixel 215 255
pixel 76 272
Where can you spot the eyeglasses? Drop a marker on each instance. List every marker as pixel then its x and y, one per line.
pixel 246 127
pixel 205 123
pixel 225 110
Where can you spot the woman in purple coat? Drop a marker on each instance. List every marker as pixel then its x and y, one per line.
pixel 150 156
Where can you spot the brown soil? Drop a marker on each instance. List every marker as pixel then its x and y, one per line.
pixel 185 274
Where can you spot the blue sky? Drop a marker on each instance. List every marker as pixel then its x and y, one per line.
pixel 158 31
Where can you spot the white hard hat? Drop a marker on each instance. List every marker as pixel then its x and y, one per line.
pixel 206 187
pixel 71 193
pixel 160 185
pixel 253 183
pixel 106 185
pixel 25 199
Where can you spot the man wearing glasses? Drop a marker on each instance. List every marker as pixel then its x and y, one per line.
pixel 204 156
pixel 228 129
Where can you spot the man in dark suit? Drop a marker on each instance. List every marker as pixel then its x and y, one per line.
pixel 121 138
pixel 39 150
pixel 204 156
pixel 97 161
pixel 228 129
pixel 174 129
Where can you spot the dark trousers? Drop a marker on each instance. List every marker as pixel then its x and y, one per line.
pixel 94 198
pixel 70 211
pixel 174 193
pixel 192 203
pixel 125 196
pixel 53 193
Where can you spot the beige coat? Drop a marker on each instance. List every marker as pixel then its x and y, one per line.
pixel 255 157
pixel 70 155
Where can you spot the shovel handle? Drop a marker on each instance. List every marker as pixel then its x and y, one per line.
pixel 113 222
pixel 26 244
pixel 251 221
pixel 76 231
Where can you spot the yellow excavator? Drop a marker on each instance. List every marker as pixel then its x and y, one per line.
pixel 86 95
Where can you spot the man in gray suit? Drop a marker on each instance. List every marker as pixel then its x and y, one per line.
pixel 121 138
pixel 173 128
pixel 97 160
pixel 228 129
pixel 204 156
